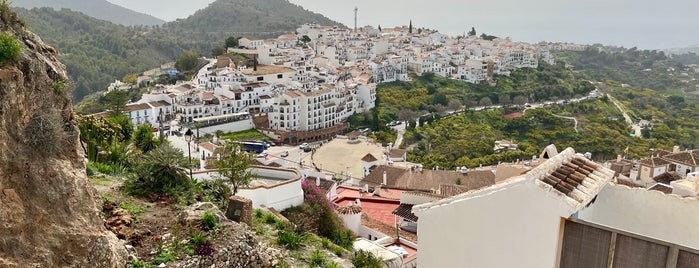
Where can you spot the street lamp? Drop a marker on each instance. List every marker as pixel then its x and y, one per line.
pixel 188 139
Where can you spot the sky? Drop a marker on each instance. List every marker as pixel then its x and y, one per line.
pixel 646 24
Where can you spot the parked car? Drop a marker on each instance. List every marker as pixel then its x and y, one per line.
pixel 303 145
pixel 261 155
pixel 285 154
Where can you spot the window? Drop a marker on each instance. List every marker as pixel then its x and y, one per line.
pixel 280 76
pixel 260 78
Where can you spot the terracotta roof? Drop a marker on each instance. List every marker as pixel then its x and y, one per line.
pixel 137 107
pixel 448 190
pixel 353 134
pixel 513 115
pixel 690 158
pixel 578 178
pixel 387 229
pixel 395 153
pixel 325 185
pixel 662 188
pixel 626 182
pixel 347 210
pixel 654 162
pixel 253 38
pixel 159 103
pixel 369 158
pixel 428 180
pixel 661 152
pixel 405 211
pixel 667 177
pixel 208 146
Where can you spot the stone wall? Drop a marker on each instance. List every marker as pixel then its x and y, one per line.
pixel 245 251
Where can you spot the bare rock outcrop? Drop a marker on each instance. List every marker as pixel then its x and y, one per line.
pixel 49 213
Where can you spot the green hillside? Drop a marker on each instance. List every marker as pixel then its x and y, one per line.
pixel 96 52
pixel 99 9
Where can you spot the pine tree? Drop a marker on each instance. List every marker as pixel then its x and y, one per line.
pixel 472 32
pixel 410 27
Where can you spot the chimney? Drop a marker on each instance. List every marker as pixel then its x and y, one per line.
pixel 366 188
pixel 618 158
pixel 384 178
pixel 359 203
pixel 349 203
pixel 318 181
pixel 675 149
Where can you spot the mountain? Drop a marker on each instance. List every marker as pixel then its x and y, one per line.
pixel 97 52
pixel 245 17
pixel 100 9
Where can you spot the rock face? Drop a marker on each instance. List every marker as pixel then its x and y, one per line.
pixel 49 215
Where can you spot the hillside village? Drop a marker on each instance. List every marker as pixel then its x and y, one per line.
pixel 303 86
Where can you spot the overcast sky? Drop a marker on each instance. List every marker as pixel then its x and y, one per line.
pixel 646 24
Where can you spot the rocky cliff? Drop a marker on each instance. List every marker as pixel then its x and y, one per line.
pixel 49 214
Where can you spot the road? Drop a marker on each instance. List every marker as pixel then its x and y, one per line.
pixel 636 128
pixel 575 127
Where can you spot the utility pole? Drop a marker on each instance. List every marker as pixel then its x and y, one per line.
pixel 355 19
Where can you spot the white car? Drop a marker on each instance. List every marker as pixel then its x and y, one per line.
pixel 285 154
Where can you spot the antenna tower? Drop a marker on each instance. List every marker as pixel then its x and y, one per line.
pixel 355 18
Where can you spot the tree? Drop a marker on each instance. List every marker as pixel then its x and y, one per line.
pixel 233 166
pixel 160 171
pixel 519 100
pixel 305 39
pixel 410 27
pixel 485 101
pixel 379 28
pixel 217 51
pixel 131 78
pixel 232 42
pixel 115 101
pixel 144 138
pixel 472 32
pixel 187 62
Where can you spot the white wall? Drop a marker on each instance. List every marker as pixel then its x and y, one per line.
pixel 279 197
pixel 510 225
pixel 228 127
pixel 648 213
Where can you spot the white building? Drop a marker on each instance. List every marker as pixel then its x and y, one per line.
pixel 563 213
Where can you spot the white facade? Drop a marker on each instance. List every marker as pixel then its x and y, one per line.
pixel 654 214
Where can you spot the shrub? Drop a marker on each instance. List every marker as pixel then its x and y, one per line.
pixel 198 238
pixel 216 191
pixel 318 258
pixel 325 242
pixel 364 259
pixel 269 218
pixel 161 171
pixel 332 265
pixel 258 213
pixel 289 239
pixel 209 220
pixel 164 257
pixel 44 133
pixel 9 47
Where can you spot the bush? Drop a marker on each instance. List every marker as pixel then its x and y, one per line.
pixel 44 133
pixel 209 220
pixel 289 239
pixel 364 259
pixel 318 258
pixel 332 265
pixel 9 47
pixel 198 238
pixel 269 218
pixel 164 257
pixel 161 171
pixel 216 191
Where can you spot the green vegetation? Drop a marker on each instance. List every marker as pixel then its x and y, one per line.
pixel 364 259
pixel 161 171
pixel 252 134
pixel 44 132
pixel 9 47
pixel 233 166
pixel 316 216
pixel 208 220
pixel 318 258
pixel 97 52
pixel 290 239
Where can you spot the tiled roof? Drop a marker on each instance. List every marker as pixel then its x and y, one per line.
pixel 137 107
pixel 576 177
pixel 325 185
pixel 667 177
pixel 448 190
pixel 654 162
pixel 387 229
pixel 347 210
pixel 369 158
pixel 690 158
pixel 662 188
pixel 405 211
pixel 395 153
pixel 428 180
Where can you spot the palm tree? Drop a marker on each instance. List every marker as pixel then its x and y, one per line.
pixel 163 170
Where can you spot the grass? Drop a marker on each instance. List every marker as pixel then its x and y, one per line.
pixel 290 239
pixel 317 258
pixel 132 207
pixel 251 134
pixel 209 220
